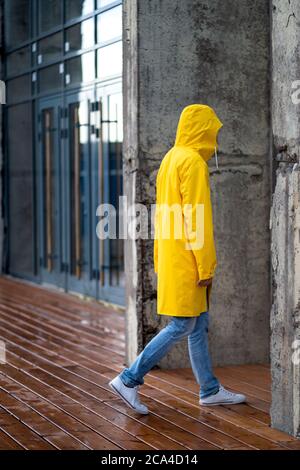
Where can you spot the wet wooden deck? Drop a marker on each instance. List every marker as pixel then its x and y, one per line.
pixel 54 394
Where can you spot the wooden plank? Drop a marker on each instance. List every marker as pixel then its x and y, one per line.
pixel 7 443
pixel 88 417
pixel 184 378
pixel 224 441
pixel 69 333
pixel 61 353
pixel 86 322
pixel 42 402
pixel 21 434
pixel 181 403
pixel 265 443
pixel 35 421
pixel 227 441
pixel 20 289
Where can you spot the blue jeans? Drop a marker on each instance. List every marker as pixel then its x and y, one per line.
pixel 196 329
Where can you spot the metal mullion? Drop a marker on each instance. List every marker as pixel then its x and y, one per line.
pixel 108 7
pixel 118 193
pixel 33 18
pixel 64 191
pixel 18 75
pixel 6 169
pixel 41 211
pixel 59 180
pixel 35 36
pixel 107 256
pixel 15 103
pixel 78 19
pixel 63 58
pixel 89 195
pixel 108 43
pixel 10 50
pixel 34 189
pixel 79 52
pixel 49 199
pixel 94 190
pixel 68 162
pixel 102 275
pixel 77 191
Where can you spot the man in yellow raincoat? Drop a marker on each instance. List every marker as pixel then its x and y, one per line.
pixel 184 259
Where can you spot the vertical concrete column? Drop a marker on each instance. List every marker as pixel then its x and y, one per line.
pixel 285 217
pixel 131 179
pixel 285 317
pixel 213 52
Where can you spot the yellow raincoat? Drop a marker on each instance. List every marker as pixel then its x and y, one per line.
pixel 182 259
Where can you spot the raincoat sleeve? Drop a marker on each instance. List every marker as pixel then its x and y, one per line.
pixel 195 192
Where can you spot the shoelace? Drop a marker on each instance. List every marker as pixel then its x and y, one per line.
pixel 228 392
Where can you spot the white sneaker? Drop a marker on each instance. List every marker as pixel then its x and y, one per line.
pixel 223 397
pixel 129 395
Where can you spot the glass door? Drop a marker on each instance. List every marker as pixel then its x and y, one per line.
pixel 49 197
pixel 108 176
pixel 79 167
pixel 79 187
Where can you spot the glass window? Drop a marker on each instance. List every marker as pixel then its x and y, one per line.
pixel 76 8
pixel 103 3
pixel 109 24
pixel 19 61
pixel 20 197
pixel 50 48
pixel 80 36
pixel 78 160
pixel 18 88
pixel 80 69
pixel 50 78
pixel 17 22
pixel 50 14
pixel 110 60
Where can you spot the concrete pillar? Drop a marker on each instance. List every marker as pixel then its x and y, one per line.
pixel 214 52
pixel 285 218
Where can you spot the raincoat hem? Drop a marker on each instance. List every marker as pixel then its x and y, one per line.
pixel 172 315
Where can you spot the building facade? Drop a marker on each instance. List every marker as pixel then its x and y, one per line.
pixel 77 79
pixel 62 142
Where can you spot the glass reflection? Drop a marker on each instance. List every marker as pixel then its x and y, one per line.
pixel 80 36
pixel 50 14
pixel 50 48
pixel 110 60
pixel 75 8
pixel 18 88
pixel 115 184
pixel 103 3
pixel 17 21
pixel 50 78
pixel 109 24
pixel 18 61
pixel 80 69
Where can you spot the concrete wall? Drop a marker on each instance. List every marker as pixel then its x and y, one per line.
pixel 285 221
pixel 213 52
pixel 285 317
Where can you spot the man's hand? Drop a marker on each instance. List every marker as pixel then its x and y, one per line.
pixel 204 282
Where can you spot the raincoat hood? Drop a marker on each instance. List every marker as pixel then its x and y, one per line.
pixel 198 128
